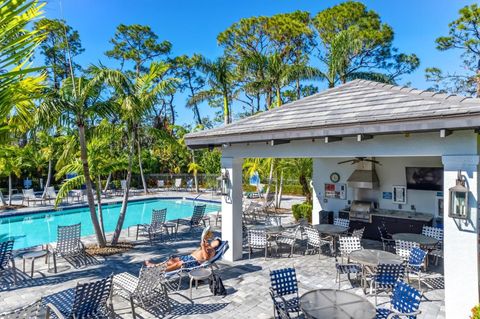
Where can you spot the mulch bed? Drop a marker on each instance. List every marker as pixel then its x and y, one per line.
pixel 109 250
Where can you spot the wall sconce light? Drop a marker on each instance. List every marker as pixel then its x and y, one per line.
pixel 225 185
pixel 459 198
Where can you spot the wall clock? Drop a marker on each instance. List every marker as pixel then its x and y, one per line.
pixel 334 177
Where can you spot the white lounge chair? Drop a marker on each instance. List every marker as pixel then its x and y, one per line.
pixel 2 199
pixel 50 194
pixel 160 184
pixel 29 196
pixel 178 184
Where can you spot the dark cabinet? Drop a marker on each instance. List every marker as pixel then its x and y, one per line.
pixel 394 225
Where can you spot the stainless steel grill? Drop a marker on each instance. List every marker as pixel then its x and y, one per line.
pixel 360 210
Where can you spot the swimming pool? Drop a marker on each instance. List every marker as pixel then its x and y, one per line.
pixel 41 228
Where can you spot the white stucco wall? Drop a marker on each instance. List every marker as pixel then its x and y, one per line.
pixel 391 172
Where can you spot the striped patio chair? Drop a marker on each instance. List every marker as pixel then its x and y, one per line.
pixel 257 239
pixel 341 222
pixel 196 221
pixel 289 239
pixel 279 306
pixel 358 232
pixel 146 290
pixel 284 284
pixel 30 311
pixel 156 226
pixel 88 300
pixel 437 233
pixel 385 278
pixel 68 245
pixel 403 248
pixel 404 303
pixel 7 262
pixel 315 241
pixel 349 244
pixel 416 261
pixel 387 240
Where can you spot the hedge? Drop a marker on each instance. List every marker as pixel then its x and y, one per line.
pixel 303 210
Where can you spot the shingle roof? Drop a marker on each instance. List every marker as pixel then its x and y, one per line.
pixel 357 107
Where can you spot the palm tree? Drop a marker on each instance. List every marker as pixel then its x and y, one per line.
pixel 18 44
pixel 76 102
pixel 136 98
pixel 11 162
pixel 193 168
pixel 220 79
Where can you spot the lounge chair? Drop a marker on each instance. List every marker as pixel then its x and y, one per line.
pixel 29 196
pixel 68 245
pixel 156 225
pixel 160 184
pixel 195 221
pixel 148 289
pixel 2 199
pixel 187 267
pixel 7 262
pixel 29 311
pixel 50 194
pixel 251 212
pixel 88 300
pixel 189 185
pixel 178 184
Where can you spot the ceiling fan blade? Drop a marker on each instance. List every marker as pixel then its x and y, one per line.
pixel 343 162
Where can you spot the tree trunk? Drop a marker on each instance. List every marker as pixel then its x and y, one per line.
pixel 196 111
pixel 144 183
pixel 49 178
pixel 88 184
pixel 478 80
pixel 195 178
pixel 100 212
pixel 299 93
pixel 279 97
pixel 280 191
pixel 270 178
pixel 123 209
pixel 226 110
pixel 109 178
pixel 268 100
pixel 10 189
pixel 305 188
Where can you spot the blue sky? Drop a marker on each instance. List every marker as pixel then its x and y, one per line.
pixel 192 27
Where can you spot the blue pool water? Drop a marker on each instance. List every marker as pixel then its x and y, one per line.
pixel 41 228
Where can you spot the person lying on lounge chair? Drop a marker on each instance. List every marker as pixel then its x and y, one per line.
pixel 204 253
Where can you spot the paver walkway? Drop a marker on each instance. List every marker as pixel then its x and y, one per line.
pixel 247 283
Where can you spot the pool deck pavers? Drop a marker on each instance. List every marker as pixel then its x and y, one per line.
pixel 247 282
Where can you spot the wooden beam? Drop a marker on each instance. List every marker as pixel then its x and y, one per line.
pixel 444 133
pixel 364 137
pixel 278 142
pixel 331 139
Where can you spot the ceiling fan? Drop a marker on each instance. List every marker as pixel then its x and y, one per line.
pixel 358 160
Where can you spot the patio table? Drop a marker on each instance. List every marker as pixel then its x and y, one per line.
pixel 331 229
pixel 373 257
pixel 422 240
pixel 339 304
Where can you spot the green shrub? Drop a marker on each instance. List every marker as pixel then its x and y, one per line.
pixel 475 312
pixel 303 210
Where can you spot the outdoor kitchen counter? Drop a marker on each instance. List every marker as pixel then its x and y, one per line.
pixel 425 217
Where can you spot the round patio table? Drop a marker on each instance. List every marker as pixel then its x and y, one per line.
pixel 422 240
pixel 338 304
pixel 331 229
pixel 374 257
pixel 269 229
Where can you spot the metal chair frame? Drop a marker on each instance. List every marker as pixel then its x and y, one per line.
pixel 315 240
pixel 68 243
pixel 284 283
pixel 7 262
pixel 156 225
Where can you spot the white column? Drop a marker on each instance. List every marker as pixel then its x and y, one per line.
pixel 317 191
pixel 232 208
pixel 461 240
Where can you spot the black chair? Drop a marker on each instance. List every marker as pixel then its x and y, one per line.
pixel 387 240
